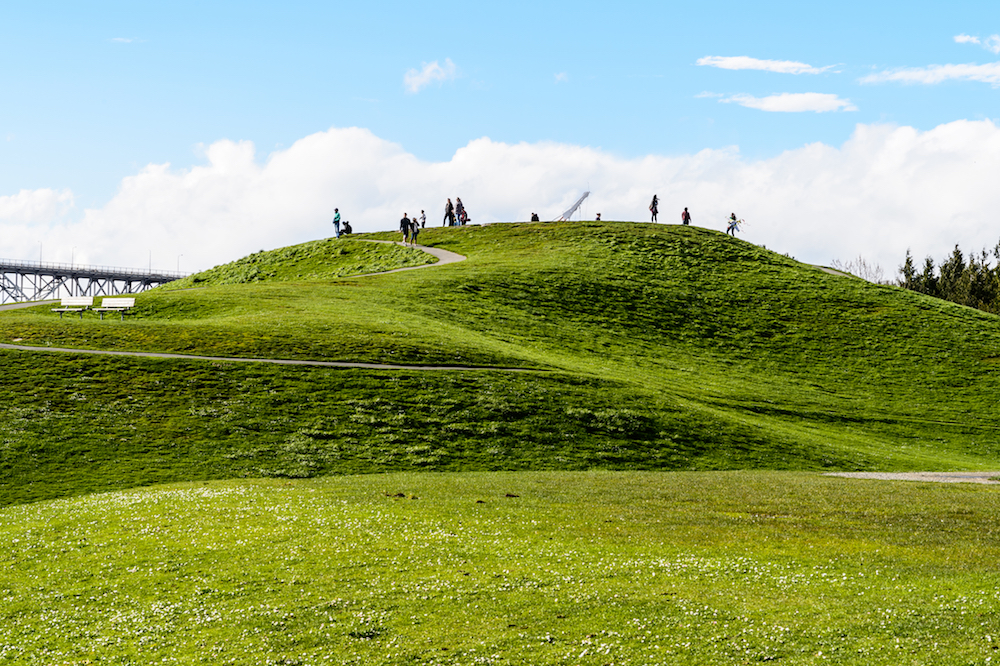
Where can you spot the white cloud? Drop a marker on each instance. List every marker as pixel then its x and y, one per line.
pixel 794 102
pixel 991 43
pixel 122 40
pixel 885 190
pixel 562 77
pixel 746 62
pixel 416 80
pixel 34 206
pixel 987 73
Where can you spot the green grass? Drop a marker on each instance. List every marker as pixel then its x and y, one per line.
pixel 325 515
pixel 654 348
pixel 315 260
pixel 505 568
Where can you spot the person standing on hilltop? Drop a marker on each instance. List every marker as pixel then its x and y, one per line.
pixel 460 210
pixel 423 219
pixel 404 226
pixel 654 207
pixel 449 214
pixel 734 225
pixel 685 217
pixel 336 222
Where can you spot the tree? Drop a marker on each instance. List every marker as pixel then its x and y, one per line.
pixel 953 283
pixel 927 283
pixel 908 273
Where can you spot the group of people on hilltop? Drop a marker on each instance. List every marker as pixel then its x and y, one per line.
pixel 410 228
pixel 455 214
pixel 336 224
pixel 732 224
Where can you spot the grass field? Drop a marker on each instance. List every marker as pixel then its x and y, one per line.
pixel 654 347
pixel 507 568
pixel 643 490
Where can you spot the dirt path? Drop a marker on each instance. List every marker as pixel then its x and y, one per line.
pixel 939 477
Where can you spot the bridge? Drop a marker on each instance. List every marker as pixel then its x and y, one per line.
pixel 36 281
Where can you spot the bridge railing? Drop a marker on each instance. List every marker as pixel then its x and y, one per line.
pixel 19 265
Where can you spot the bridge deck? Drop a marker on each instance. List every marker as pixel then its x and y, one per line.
pixel 33 280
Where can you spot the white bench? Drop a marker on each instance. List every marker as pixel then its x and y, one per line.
pixel 119 305
pixel 74 304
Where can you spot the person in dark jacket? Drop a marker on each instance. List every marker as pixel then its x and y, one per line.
pixel 404 226
pixel 449 215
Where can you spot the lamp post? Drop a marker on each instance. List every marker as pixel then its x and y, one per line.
pixel 179 262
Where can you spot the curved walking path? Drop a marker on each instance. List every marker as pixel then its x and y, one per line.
pixel 29 304
pixel 939 477
pixel 274 361
pixel 443 256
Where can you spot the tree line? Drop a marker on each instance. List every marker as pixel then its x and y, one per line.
pixel 960 279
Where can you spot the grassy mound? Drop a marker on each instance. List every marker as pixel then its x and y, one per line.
pixel 650 347
pixel 315 260
pixel 529 568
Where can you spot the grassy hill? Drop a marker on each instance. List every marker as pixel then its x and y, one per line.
pixel 639 347
pixel 647 347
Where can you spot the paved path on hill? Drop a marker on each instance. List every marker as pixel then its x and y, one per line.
pixel 30 304
pixel 832 271
pixel 940 477
pixel 443 256
pixel 274 361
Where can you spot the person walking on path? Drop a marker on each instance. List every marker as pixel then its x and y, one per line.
pixel 734 225
pixel 449 215
pixel 685 217
pixel 414 230
pixel 423 219
pixel 336 222
pixel 404 226
pixel 654 207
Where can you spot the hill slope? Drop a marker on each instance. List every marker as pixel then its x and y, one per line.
pixel 655 347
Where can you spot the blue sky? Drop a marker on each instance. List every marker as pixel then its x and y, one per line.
pixel 95 92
